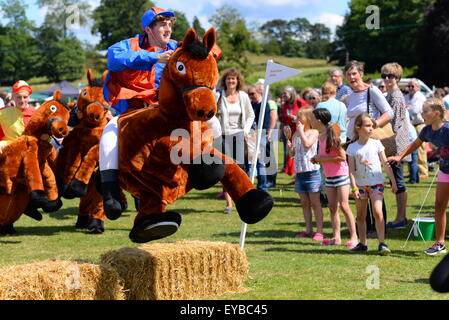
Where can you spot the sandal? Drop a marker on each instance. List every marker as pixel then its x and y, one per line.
pixel 331 242
pixel 318 237
pixel 351 244
pixel 303 235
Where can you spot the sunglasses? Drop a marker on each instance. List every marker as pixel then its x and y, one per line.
pixel 412 86
pixel 381 86
pixel 251 94
pixel 389 76
pixel 311 98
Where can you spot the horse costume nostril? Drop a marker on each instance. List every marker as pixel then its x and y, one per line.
pixel 60 129
pixel 97 117
pixel 91 115
pixel 200 113
pixel 210 114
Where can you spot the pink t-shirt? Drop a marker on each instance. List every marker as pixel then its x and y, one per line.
pixel 332 169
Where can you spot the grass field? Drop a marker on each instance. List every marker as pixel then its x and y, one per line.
pixel 280 266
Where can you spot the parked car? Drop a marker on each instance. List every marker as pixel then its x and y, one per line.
pixel 403 86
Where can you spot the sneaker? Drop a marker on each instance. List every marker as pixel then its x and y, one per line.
pixel 436 248
pixel 228 210
pixel 359 248
pixel 383 249
pixel 399 225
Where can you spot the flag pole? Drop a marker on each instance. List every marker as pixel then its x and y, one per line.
pixel 254 160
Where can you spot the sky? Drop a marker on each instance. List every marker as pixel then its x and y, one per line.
pixel 328 12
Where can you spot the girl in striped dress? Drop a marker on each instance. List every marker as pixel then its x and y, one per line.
pixel 332 157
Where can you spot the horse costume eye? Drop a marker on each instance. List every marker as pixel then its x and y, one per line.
pixel 85 93
pixel 181 67
pixel 53 109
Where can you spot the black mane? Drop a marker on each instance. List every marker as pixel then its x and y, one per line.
pixel 198 50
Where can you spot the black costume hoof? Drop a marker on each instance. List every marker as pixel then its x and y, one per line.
pixel 33 213
pixel 38 198
pixel 113 207
pixel 203 176
pixel 96 226
pixel 76 189
pixel 52 206
pixel 155 226
pixel 439 279
pixel 7 230
pixel 254 205
pixel 82 222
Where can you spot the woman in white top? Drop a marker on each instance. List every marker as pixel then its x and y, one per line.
pixel 357 101
pixel 236 116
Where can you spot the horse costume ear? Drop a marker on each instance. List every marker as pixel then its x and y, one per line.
pixel 103 77
pixel 209 39
pixel 190 37
pixel 57 94
pixel 90 76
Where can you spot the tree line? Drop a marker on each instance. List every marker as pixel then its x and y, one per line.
pixel 413 33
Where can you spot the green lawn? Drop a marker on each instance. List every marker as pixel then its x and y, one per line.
pixel 280 266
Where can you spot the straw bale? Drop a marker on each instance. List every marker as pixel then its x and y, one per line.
pixel 180 270
pixel 60 280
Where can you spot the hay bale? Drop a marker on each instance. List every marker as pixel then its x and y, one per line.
pixel 180 270
pixel 60 280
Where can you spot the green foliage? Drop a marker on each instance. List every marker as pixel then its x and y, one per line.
pixel 297 38
pixel 233 37
pixel 116 20
pixel 67 61
pixel 396 40
pixel 180 27
pixel 67 16
pixel 198 27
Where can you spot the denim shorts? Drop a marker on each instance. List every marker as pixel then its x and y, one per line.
pixel 308 182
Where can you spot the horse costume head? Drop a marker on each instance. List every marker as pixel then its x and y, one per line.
pixel 189 79
pixel 91 101
pixel 51 118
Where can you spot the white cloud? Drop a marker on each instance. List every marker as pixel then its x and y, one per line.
pixel 330 20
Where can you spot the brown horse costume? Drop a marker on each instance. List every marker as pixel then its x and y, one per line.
pixel 27 180
pixel 78 158
pixel 149 146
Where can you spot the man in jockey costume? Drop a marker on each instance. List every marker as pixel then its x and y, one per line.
pixel 16 115
pixel 135 69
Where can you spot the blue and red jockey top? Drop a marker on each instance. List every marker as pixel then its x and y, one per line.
pixel 134 74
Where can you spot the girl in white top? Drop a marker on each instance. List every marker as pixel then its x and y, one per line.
pixel 308 177
pixel 236 116
pixel 365 158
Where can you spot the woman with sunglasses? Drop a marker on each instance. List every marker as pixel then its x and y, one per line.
pixel 392 73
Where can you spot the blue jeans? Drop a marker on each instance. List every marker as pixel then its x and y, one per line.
pixel 413 168
pixel 261 171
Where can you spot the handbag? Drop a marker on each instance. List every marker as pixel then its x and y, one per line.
pixel 336 126
pixel 385 134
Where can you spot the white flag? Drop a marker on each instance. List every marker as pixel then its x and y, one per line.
pixel 277 72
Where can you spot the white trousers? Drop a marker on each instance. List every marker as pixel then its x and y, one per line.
pixel 109 146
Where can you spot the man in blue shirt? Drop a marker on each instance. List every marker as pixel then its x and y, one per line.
pixel 343 90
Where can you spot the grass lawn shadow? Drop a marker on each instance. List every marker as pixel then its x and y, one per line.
pixel 44 230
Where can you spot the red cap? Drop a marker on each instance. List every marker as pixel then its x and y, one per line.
pixel 21 86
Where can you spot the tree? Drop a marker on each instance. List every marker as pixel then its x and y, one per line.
pixel 233 37
pixel 197 26
pixel 66 15
pixel 19 55
pixel 396 38
pixel 180 27
pixel 434 47
pixel 68 61
pixel 116 20
pixel 317 45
